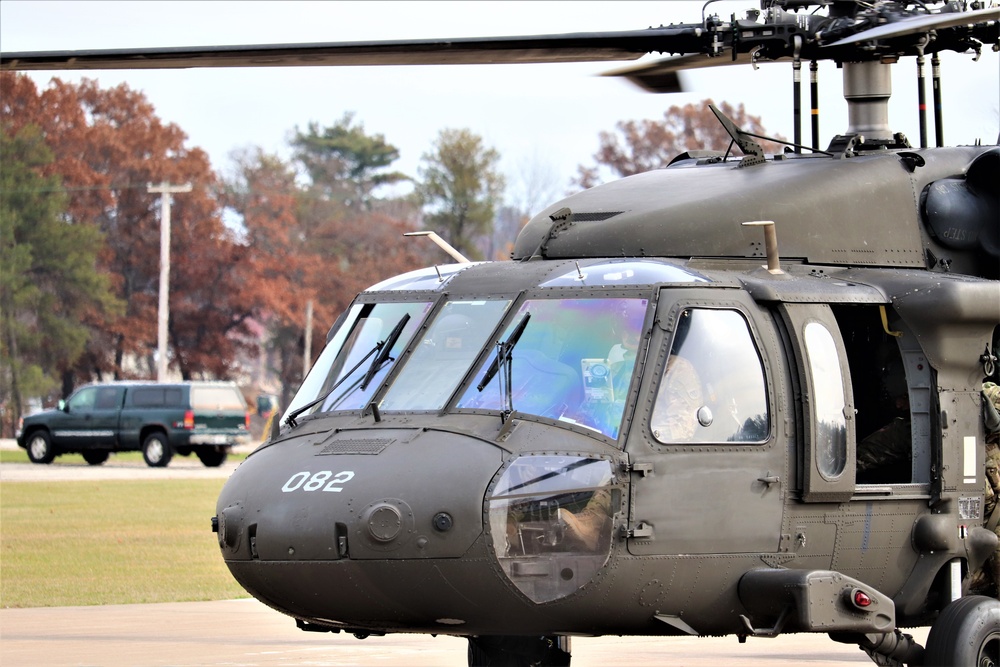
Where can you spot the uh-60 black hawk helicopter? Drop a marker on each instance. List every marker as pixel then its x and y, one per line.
pixel 657 418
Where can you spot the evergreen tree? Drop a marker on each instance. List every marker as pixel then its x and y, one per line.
pixel 48 275
pixel 461 185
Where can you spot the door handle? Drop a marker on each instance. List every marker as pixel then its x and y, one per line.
pixel 769 479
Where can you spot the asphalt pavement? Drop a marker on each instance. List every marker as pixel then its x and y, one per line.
pixel 247 633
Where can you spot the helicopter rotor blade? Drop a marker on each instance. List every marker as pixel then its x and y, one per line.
pixel 572 47
pixel 664 76
pixel 919 24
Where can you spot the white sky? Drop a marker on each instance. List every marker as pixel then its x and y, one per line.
pixel 541 118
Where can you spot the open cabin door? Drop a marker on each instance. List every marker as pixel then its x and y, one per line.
pixel 707 450
pixel 826 456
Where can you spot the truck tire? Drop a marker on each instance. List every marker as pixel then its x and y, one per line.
pixel 211 457
pixel 156 450
pixel 40 448
pixel 95 457
pixel 967 633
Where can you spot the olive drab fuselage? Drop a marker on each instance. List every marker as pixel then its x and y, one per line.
pixel 668 430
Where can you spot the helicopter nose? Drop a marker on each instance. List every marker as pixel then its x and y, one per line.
pixel 357 495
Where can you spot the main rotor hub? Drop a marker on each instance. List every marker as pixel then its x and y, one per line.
pixel 867 88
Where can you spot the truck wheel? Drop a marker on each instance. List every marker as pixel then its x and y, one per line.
pixel 40 447
pixel 211 457
pixel 156 450
pixel 95 457
pixel 966 633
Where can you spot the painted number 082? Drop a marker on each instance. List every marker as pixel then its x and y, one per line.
pixel 324 479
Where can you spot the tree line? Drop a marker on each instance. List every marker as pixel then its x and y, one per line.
pixel 251 248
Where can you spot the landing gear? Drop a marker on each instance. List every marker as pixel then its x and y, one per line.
pixel 966 634
pixel 519 651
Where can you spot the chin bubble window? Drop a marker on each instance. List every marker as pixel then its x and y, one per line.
pixel 551 520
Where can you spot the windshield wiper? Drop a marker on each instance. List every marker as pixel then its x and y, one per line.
pixel 382 348
pixel 504 349
pixel 290 419
pixel 503 361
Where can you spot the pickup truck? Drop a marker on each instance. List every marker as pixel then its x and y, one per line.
pixel 202 418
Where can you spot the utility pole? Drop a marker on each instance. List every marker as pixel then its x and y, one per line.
pixel 307 353
pixel 164 189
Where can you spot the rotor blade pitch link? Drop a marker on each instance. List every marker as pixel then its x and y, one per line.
pixel 938 113
pixel 921 99
pixel 797 94
pixel 814 102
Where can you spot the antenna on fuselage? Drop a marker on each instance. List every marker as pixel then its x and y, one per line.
pixel 770 245
pixel 444 245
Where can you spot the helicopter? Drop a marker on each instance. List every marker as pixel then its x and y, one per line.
pixel 667 413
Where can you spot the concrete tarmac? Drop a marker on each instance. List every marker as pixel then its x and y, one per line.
pixel 234 633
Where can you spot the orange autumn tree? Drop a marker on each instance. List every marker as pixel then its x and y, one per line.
pixel 108 144
pixel 279 275
pixel 305 245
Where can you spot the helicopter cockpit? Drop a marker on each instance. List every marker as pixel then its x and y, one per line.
pixel 572 349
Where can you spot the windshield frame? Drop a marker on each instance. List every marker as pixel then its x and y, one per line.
pixel 474 362
pixel 647 295
pixel 342 329
pixel 644 293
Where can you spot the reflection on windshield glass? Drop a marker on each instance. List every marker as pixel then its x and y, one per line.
pixel 432 278
pixel 574 362
pixel 624 272
pixel 440 361
pixel 551 519
pixel 713 387
pixel 343 360
pixel 828 400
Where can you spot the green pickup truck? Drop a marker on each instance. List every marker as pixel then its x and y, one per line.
pixel 202 418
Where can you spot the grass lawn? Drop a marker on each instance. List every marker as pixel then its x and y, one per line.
pixel 110 542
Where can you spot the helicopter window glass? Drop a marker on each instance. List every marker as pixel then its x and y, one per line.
pixel 574 362
pixel 828 400
pixel 625 272
pixel 713 387
pixel 551 522
pixel 346 360
pixel 450 346
pixel 431 278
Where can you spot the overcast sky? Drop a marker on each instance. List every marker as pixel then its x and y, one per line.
pixel 541 118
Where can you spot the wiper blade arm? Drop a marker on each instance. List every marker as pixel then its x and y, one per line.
pixel 504 351
pixel 384 349
pixel 290 419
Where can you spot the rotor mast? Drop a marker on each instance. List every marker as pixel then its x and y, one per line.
pixel 867 88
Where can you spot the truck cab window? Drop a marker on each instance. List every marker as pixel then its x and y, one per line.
pixel 83 399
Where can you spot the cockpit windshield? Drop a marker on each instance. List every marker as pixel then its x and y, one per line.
pixel 573 362
pixel 443 357
pixel 348 373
